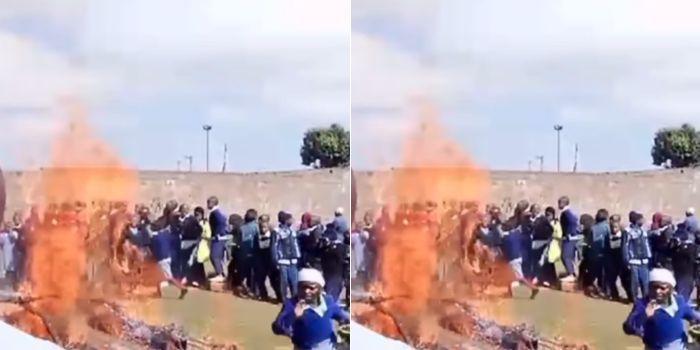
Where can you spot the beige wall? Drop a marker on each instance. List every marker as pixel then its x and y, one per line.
pixel 318 191
pixel 670 191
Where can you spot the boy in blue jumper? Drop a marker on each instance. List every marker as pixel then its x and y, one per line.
pixel 512 245
pixel 308 318
pixel 658 318
pixel 161 247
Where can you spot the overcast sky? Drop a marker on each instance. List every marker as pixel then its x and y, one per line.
pixel 150 73
pixel 504 72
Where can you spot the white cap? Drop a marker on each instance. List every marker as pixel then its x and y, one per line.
pixel 690 211
pixel 663 276
pixel 312 276
pixel 339 210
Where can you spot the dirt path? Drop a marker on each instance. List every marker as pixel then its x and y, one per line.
pixel 219 315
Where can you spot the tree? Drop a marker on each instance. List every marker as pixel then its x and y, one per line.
pixel 676 147
pixel 326 147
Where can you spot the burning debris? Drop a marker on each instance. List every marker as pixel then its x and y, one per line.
pixel 459 318
pixel 107 318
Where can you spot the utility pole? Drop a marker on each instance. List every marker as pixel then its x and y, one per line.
pixel 207 128
pixel 189 158
pixel 178 165
pixel 541 159
pixel 223 170
pixel 576 157
pixel 558 129
pixel 529 165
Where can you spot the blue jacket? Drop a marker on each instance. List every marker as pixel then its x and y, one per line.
pixel 249 233
pixel 162 245
pixel 311 328
pixel 599 237
pixel 286 246
pixel 218 223
pixel 662 328
pixel 512 244
pixel 635 246
pixel 569 223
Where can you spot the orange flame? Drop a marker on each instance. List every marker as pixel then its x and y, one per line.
pixel 435 169
pixel 83 169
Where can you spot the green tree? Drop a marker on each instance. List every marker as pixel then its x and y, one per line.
pixel 326 147
pixel 676 147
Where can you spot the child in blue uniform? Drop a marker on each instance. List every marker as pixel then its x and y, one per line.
pixel 658 318
pixel 307 318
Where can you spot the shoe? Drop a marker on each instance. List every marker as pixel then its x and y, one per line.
pixel 218 278
pixel 546 284
pixel 183 292
pixel 569 278
pixel 534 293
pixel 195 284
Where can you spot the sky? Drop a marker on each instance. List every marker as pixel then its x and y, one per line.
pixel 151 73
pixel 502 73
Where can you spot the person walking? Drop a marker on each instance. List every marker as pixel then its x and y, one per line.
pixel 512 251
pixel 600 232
pixel 571 237
pixel 615 267
pixel 217 222
pixel 161 248
pixel 245 258
pixel 191 236
pixel 286 253
pixel 264 261
pixel 637 254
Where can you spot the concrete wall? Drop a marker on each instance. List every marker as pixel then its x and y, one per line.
pixel 318 191
pixel 670 191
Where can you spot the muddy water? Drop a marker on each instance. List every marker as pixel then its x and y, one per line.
pixel 221 316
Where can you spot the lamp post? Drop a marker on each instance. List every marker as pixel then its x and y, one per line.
pixel 558 129
pixel 207 129
pixel 541 159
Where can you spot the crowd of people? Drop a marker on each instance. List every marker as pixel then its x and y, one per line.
pixel 596 252
pixel 249 253
pixel 305 265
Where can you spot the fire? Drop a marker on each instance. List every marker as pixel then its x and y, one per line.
pixel 434 169
pixel 83 170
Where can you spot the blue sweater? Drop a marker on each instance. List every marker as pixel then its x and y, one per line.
pixel 512 244
pixel 162 245
pixel 311 328
pixel 569 223
pixel 662 328
pixel 218 223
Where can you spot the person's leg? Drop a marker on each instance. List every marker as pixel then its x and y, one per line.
pixel 284 281
pixel 275 281
pixel 684 285
pixel 568 256
pixel 644 279
pixel 217 252
pixel 634 279
pixel 333 286
pixel 293 275
pixel 250 275
pixel 612 272
pixel 598 274
pixel 260 275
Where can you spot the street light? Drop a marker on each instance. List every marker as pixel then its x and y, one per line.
pixel 207 129
pixel 558 128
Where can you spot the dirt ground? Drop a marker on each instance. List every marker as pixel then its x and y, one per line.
pixel 221 316
pixel 574 316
